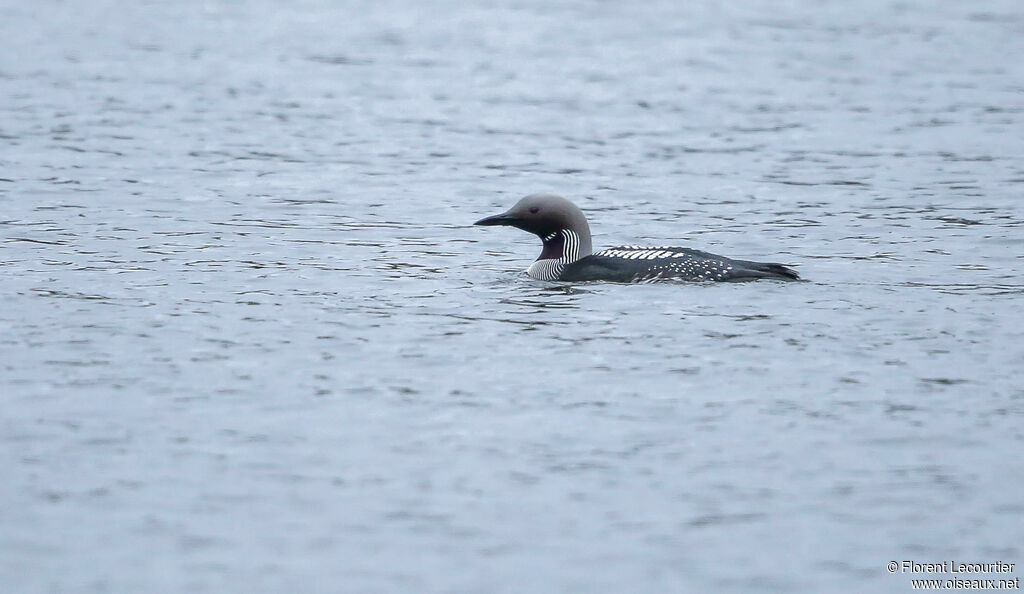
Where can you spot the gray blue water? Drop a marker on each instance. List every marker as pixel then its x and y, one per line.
pixel 251 342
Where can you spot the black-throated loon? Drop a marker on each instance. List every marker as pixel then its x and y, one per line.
pixel 568 255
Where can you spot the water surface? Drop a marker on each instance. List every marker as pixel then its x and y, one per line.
pixel 250 341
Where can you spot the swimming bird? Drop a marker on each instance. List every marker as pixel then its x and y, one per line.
pixel 568 254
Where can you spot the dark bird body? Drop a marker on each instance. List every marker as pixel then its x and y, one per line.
pixel 567 254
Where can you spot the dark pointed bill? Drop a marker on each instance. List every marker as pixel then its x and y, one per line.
pixel 501 219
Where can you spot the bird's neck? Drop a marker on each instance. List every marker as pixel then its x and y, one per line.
pixel 565 245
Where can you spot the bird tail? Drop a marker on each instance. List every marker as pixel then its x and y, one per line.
pixel 772 270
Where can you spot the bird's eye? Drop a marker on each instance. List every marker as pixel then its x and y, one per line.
pixel 535 210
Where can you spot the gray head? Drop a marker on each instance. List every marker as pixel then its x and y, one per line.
pixel 545 215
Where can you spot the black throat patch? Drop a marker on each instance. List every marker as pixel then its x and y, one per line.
pixel 554 246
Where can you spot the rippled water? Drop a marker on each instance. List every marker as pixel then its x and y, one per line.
pixel 249 340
